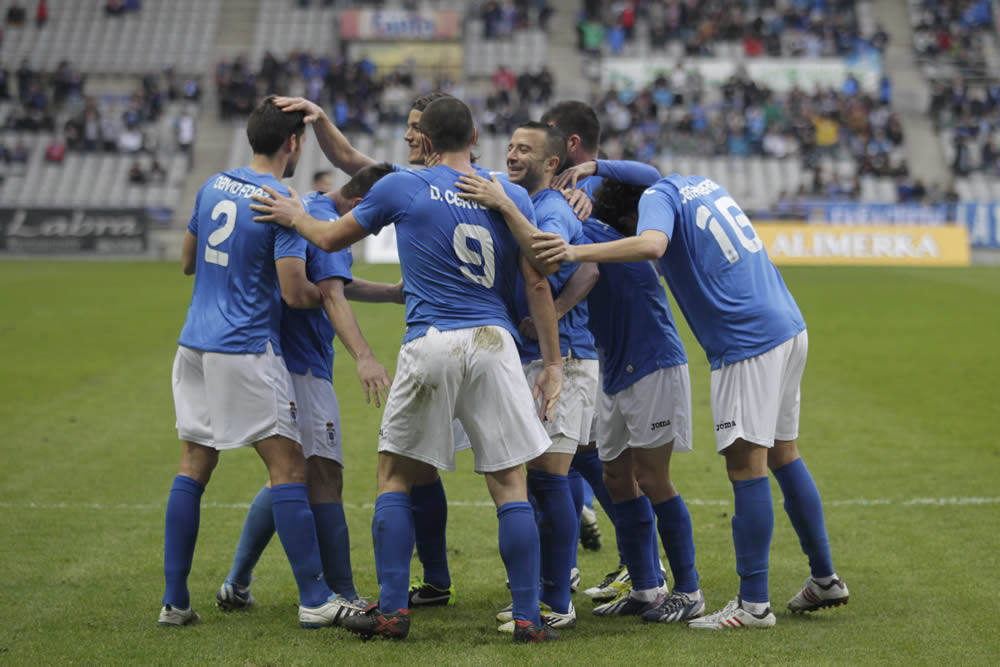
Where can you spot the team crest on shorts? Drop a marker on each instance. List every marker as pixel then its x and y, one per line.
pixel 331 433
pixel 293 411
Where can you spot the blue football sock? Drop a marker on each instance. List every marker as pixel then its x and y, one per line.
pixel 519 549
pixel 297 530
pixel 576 484
pixel 179 537
pixel 805 509
pixel 558 538
pixel 674 523
pixel 588 495
pixel 335 548
pixel 392 533
pixel 430 520
pixel 588 464
pixel 258 528
pixel 753 525
pixel 654 546
pixel 635 525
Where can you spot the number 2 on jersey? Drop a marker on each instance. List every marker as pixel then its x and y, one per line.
pixel 469 257
pixel 227 209
pixel 740 224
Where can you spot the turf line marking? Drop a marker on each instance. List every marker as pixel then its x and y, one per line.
pixel 863 502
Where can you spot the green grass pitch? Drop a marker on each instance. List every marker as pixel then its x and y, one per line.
pixel 899 403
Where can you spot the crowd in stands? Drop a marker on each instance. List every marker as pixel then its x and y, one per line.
pixel 501 19
pixel 805 28
pixel 952 31
pixel 675 114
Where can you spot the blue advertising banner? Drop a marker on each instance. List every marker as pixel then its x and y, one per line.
pixel 983 222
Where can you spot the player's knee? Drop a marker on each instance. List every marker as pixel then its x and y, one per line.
pixel 325 480
pixel 198 462
pixel 783 453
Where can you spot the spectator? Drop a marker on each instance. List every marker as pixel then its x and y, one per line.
pixel 156 174
pixel 184 128
pixel 20 153
pixel 503 83
pixel 16 15
pixel 114 7
pixel 42 13
pixel 136 175
pixel 55 151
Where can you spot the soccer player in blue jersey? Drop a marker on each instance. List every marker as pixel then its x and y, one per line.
pixel 535 153
pixel 306 337
pixel 644 417
pixel 755 338
pixel 579 123
pixel 230 384
pixel 459 263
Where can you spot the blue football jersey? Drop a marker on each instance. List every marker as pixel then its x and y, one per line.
pixel 554 214
pixel 718 270
pixel 630 318
pixel 236 304
pixel 306 333
pixel 458 258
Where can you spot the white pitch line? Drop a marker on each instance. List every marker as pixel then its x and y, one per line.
pixel 864 502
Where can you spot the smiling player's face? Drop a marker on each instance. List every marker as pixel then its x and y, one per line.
pixel 414 137
pixel 525 159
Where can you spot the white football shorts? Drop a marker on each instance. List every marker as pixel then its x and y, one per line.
pixel 471 374
pixel 570 424
pixel 318 417
pixel 757 399
pixel 647 414
pixel 227 401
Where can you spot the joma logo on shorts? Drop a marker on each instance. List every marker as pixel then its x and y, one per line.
pixel 724 425
pixel 656 425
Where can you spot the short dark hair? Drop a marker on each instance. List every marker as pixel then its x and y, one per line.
pixel 614 200
pixel 422 102
pixel 573 117
pixel 320 174
pixel 447 122
pixel 268 126
pixel 364 179
pixel 555 141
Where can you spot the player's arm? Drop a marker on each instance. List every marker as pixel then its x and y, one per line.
pixel 374 379
pixel 189 253
pixel 573 292
pixel 296 289
pixel 371 292
pixel 335 146
pixel 649 245
pixel 289 212
pixel 490 193
pixel 538 294
pixel 628 171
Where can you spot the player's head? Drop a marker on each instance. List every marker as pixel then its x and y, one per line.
pixel 323 180
pixel 354 190
pixel 447 126
pixel 276 133
pixel 617 204
pixel 535 154
pixel 579 123
pixel 413 137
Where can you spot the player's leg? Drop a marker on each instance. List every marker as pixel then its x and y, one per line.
pixel 258 528
pixel 634 523
pixel 181 530
pixel 430 516
pixel 198 460
pixel 548 481
pixel 745 410
pixel 802 500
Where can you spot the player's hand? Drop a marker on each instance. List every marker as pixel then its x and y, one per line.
pixel 399 297
pixel 374 380
pixel 548 385
pixel 313 111
pixel 527 328
pixel 489 193
pixel 569 177
pixel 580 202
pixel 277 207
pixel 432 159
pixel 551 248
